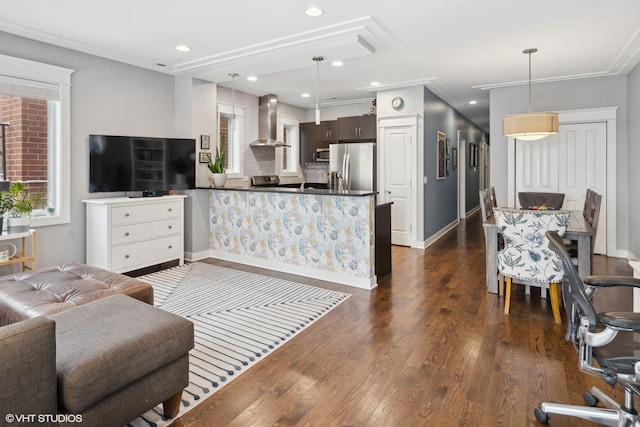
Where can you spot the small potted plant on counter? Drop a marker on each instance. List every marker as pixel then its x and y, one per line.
pixel 216 167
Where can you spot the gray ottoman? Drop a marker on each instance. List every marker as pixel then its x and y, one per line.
pixel 118 357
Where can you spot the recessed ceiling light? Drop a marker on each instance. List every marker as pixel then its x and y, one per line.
pixel 252 78
pixel 337 63
pixel 313 11
pixel 473 102
pixel 183 48
pixel 375 83
pixel 305 95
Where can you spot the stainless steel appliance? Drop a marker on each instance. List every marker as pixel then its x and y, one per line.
pixel 267 121
pixel 265 180
pixel 357 163
pixel 322 155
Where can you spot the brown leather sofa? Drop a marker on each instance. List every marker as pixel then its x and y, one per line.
pixel 46 291
pixel 103 363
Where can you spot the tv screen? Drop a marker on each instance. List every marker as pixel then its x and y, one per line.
pixel 131 163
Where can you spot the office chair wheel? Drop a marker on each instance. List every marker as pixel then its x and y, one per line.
pixel 590 399
pixel 541 416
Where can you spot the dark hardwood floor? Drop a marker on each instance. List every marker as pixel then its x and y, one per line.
pixel 429 347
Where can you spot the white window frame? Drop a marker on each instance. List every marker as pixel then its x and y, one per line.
pixel 59 138
pixel 236 170
pixel 294 153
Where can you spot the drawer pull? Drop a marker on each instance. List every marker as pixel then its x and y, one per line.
pixel 126 234
pixel 126 256
pixel 126 215
pixel 170 209
pixel 170 227
pixel 170 247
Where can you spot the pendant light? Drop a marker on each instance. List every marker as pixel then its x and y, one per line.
pixel 318 59
pixel 233 99
pixel 530 126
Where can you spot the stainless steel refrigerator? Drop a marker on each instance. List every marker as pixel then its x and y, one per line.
pixel 357 162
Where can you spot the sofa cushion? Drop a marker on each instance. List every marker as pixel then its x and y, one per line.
pixel 110 343
pixel 46 291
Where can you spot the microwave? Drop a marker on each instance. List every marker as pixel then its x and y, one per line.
pixel 322 155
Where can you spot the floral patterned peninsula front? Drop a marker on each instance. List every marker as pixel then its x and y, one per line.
pixel 325 236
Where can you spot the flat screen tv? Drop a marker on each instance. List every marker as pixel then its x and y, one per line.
pixel 132 163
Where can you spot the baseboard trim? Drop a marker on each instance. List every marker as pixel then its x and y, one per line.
pixel 329 276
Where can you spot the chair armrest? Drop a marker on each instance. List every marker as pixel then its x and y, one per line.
pixel 28 367
pixel 609 281
pixel 621 320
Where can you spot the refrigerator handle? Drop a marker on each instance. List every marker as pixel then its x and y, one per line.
pixel 347 172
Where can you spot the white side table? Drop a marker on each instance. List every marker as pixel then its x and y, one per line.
pixel 27 259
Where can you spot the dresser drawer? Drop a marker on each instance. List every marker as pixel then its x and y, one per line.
pixel 129 233
pixel 124 257
pixel 144 213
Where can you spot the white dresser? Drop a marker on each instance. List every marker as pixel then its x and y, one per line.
pixel 125 234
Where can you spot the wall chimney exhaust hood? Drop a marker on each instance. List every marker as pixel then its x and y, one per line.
pixel 267 123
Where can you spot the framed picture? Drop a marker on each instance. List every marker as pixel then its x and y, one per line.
pixel 448 147
pixel 472 155
pixel 440 153
pixel 205 142
pixel 204 157
pixel 448 165
pixel 454 156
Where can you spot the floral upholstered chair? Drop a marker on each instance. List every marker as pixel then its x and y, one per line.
pixel 526 256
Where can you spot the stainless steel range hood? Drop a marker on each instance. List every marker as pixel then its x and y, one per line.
pixel 267 123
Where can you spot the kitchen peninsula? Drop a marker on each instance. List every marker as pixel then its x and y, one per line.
pixel 325 234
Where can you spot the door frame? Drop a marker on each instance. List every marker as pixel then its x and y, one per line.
pixel 587 115
pixel 416 226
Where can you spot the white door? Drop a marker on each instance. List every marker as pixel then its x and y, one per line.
pixel 537 165
pixel 397 181
pixel 569 163
pixel 582 154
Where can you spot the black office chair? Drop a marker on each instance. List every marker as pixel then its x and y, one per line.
pixel 608 338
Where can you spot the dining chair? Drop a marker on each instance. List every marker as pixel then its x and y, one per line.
pixel 591 212
pixel 486 205
pixel 530 199
pixel 526 257
pixel 588 199
pixel 492 196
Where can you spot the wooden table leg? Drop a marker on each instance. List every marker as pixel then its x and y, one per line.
pixel 584 256
pixel 491 250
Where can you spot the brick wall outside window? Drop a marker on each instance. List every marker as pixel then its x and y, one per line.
pixel 26 144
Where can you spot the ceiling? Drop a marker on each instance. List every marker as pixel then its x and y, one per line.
pixel 457 48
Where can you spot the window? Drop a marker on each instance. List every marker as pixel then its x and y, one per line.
pixel 288 158
pixel 35 107
pixel 230 136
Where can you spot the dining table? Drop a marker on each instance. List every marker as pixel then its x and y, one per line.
pixel 578 229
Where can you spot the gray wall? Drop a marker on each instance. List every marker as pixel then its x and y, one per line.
pixel 566 95
pixel 106 97
pixel 440 196
pixel 633 162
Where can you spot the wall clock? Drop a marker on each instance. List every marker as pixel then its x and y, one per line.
pixel 397 103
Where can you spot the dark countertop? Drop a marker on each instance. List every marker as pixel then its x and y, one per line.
pixel 315 191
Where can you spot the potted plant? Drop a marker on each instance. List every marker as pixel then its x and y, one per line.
pixel 6 203
pixel 216 167
pixel 22 204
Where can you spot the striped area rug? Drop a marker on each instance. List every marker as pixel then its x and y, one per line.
pixel 238 319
